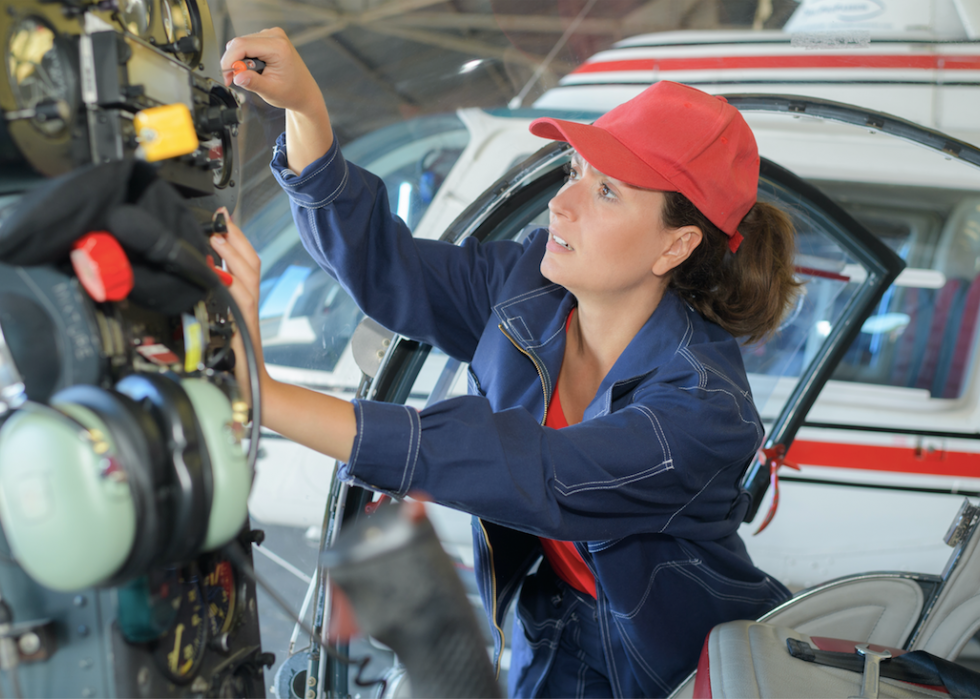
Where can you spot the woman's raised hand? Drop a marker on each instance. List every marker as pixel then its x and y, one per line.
pixel 285 82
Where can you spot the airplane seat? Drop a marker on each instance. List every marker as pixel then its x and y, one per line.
pixel 960 351
pixel 934 350
pixel 880 608
pixel 949 344
pixel 917 304
pixel 941 335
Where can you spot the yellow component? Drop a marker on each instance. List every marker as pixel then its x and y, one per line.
pixel 193 343
pixel 165 132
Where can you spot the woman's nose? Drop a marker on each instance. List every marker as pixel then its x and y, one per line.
pixel 563 203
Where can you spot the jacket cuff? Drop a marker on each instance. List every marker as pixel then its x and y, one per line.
pixel 386 448
pixel 320 183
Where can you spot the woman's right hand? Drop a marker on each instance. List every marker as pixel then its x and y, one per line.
pixel 285 82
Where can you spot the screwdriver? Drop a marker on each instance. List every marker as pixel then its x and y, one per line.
pixel 248 64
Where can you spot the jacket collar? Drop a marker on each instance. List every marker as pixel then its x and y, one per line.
pixel 536 321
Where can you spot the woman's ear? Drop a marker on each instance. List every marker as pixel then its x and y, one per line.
pixel 682 242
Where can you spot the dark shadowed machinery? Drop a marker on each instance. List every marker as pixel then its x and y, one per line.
pixel 124 473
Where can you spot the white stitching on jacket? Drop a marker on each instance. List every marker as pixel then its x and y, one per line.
pixel 313 174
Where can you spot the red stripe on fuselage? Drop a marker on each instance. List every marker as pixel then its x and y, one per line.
pixel 929 62
pixel 865 457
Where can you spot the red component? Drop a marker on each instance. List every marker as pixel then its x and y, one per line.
pixel 102 267
pixel 774 457
pixel 225 278
pixel 702 680
pixel 372 507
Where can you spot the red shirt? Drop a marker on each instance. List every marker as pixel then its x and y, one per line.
pixel 564 558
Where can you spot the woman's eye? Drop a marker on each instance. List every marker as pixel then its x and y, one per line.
pixel 570 172
pixel 605 192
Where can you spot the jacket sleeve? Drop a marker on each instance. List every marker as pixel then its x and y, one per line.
pixel 669 462
pixel 428 290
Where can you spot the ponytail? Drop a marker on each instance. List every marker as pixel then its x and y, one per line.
pixel 748 293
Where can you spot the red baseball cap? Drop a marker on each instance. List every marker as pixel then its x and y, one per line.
pixel 673 138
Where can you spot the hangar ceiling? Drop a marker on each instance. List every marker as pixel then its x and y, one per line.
pixel 382 61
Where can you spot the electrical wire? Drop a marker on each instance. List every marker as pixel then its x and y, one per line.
pixel 236 554
pixel 252 362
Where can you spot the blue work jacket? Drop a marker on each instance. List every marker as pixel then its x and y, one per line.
pixel 647 485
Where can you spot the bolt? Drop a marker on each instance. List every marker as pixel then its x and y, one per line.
pixel 310 694
pixel 80 601
pixel 29 643
pixel 200 66
pixel 311 682
pixel 222 643
pixel 232 183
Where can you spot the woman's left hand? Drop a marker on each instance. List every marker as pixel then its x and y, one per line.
pixel 245 267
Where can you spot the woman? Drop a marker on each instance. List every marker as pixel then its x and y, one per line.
pixel 610 419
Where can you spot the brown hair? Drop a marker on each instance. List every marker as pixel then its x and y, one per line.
pixel 749 292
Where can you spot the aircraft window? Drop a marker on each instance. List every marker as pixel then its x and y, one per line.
pixel 936 232
pixel 306 318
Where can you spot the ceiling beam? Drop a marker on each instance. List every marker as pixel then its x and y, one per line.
pixel 372 75
pixel 339 21
pixel 520 23
pixel 308 36
pixel 394 7
pixel 459 44
pixel 291 6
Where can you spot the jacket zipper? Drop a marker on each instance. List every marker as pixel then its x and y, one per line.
pixel 544 417
pixel 486 539
pixel 493 595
